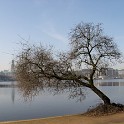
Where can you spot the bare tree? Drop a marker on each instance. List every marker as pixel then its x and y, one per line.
pixel 37 68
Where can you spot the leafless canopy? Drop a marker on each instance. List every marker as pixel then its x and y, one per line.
pixel 91 47
pixel 37 68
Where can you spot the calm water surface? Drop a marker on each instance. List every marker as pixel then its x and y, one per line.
pixel 13 106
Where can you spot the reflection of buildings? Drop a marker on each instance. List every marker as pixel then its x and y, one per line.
pixel 9 89
pixel 109 82
pixel 13 92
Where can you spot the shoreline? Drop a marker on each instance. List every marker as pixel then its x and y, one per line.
pixel 117 118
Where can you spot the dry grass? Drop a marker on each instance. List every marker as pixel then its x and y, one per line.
pixel 102 110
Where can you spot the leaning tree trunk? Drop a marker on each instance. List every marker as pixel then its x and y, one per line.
pixel 105 99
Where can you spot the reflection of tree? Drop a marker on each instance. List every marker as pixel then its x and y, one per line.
pixel 13 92
pixel 77 93
pixel 74 92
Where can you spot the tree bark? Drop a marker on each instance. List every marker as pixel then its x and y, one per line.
pixel 105 99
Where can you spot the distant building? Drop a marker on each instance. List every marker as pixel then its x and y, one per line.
pixel 5 72
pixel 85 72
pixel 105 73
pixel 12 67
pixel 108 73
pixel 121 73
pixel 7 75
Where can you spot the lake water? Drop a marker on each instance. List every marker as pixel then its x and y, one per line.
pixel 13 106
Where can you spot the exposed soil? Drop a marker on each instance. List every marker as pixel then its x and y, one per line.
pixel 102 110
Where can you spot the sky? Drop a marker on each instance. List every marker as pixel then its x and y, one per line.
pixel 49 22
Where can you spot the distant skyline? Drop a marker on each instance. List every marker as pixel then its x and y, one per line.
pixel 50 21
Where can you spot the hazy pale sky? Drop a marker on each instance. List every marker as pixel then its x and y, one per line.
pixel 50 21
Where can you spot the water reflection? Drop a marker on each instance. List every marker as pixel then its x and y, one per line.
pixel 11 88
pixel 13 107
pixel 112 82
pixel 13 94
